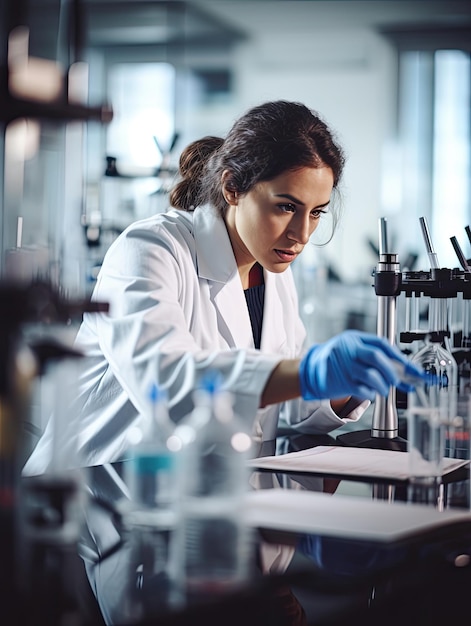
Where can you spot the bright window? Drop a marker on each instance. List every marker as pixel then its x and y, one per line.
pixel 142 96
pixel 451 153
pixel 434 141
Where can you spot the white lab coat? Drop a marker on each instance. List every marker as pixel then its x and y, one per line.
pixel 177 308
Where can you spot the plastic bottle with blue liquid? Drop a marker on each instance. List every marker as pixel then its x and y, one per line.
pixel 150 518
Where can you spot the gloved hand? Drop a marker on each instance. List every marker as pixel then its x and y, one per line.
pixel 354 363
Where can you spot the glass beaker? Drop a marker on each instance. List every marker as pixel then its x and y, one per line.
pixel 429 411
pixel 426 420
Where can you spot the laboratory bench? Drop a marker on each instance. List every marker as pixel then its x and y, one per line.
pixel 397 562
pixel 421 577
pixel 361 556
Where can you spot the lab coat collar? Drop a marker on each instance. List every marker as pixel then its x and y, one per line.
pixel 274 339
pixel 216 263
pixel 214 253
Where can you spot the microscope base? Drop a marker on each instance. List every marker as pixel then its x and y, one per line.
pixel 364 439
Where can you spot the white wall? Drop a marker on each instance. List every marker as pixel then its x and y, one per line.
pixel 350 87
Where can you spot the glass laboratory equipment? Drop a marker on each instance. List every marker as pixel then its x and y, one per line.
pixel 150 471
pixel 463 352
pixel 431 407
pixel 457 440
pixel 436 359
pixel 149 518
pixel 214 541
pixel 426 421
pixel 459 426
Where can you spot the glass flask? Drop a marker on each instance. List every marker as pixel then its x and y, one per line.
pixel 437 360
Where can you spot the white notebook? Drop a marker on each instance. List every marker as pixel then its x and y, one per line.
pixel 348 461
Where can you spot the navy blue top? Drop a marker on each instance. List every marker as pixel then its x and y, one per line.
pixel 255 297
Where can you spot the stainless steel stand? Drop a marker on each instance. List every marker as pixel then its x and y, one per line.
pixel 384 430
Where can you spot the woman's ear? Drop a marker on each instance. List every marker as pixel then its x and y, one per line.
pixel 228 191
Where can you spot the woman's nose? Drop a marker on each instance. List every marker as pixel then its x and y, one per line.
pixel 300 229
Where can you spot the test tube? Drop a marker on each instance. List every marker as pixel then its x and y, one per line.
pixel 411 313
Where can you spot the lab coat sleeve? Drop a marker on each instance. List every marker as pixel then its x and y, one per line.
pixel 318 418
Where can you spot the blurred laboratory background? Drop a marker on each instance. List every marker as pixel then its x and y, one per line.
pixel 99 97
pixel 97 100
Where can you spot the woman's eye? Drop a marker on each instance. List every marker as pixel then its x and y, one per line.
pixel 287 208
pixel 317 214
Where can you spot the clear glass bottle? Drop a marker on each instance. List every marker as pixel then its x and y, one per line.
pixel 213 540
pixel 431 408
pixel 464 351
pixel 426 407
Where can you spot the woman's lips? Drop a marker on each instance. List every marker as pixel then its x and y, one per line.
pixel 286 255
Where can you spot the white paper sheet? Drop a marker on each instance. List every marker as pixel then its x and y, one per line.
pixel 351 461
pixel 347 517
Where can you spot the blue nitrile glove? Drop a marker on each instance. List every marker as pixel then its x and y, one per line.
pixel 354 363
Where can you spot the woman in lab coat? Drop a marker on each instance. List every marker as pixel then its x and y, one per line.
pixel 208 285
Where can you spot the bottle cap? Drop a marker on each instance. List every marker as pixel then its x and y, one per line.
pixel 211 382
pixel 156 393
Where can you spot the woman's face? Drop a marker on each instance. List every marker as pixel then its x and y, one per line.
pixel 273 222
